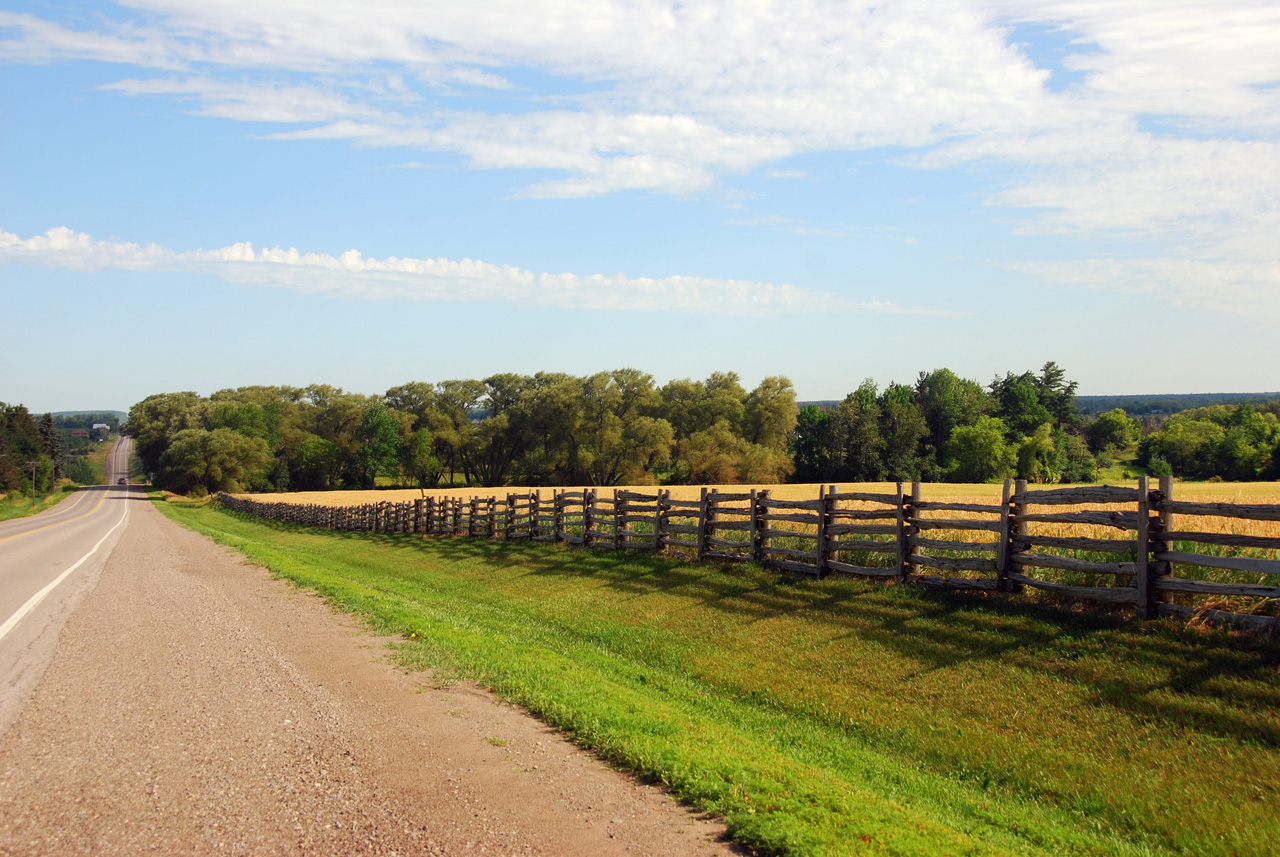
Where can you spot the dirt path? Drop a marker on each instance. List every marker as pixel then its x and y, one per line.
pixel 196 706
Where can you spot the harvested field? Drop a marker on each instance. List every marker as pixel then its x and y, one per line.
pixel 1207 492
pixel 1098 556
pixel 1200 492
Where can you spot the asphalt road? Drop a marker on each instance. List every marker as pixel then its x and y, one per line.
pixel 166 697
pixel 47 563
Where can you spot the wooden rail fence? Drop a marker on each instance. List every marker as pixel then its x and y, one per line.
pixel 899 536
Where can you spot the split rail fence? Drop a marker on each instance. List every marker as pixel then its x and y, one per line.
pixel 899 536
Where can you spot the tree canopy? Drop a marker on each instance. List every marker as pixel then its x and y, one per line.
pixel 620 427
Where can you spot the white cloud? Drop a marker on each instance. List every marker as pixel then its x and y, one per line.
pixel 675 97
pixel 1248 289
pixel 252 103
pixel 1169 132
pixel 355 276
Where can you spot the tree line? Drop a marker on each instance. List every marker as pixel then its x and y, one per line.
pixel 34 455
pixel 550 428
pixel 620 427
pixel 1238 443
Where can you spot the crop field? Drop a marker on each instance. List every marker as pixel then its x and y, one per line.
pixel 1201 492
pixel 834 716
pixel 1254 493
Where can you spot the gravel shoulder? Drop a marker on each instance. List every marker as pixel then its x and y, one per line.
pixel 195 705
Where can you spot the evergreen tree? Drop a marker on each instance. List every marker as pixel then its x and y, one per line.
pixel 52 440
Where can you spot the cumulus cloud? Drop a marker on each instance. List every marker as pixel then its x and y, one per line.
pixel 356 276
pixel 1168 129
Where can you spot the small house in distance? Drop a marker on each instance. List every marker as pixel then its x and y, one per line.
pixel 80 433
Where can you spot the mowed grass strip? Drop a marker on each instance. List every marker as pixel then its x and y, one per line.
pixel 22 505
pixel 836 716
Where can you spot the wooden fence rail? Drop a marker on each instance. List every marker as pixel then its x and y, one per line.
pixel 948 545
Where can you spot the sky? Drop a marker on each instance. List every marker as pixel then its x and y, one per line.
pixel 212 194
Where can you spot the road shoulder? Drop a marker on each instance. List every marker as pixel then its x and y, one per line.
pixel 194 704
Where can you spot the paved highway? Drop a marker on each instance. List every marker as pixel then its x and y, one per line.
pixel 193 705
pixel 47 563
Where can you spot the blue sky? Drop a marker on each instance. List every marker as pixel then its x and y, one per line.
pixel 198 195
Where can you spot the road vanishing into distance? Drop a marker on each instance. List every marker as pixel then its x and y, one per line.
pixel 161 695
pixel 47 563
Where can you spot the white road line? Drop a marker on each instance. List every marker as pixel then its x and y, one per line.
pixel 13 620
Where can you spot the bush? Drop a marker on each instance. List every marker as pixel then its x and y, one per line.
pixel 1157 466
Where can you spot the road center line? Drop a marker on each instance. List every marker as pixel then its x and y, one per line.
pixel 17 617
pixel 60 523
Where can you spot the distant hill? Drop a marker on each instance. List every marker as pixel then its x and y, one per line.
pixel 1141 405
pixel 88 419
pixel 1167 404
pixel 119 415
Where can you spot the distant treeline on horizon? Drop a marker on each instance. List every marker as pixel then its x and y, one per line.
pixel 1140 405
pixel 1168 403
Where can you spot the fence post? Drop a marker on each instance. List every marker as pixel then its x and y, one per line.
pixel 702 524
pixel 1020 528
pixel 820 561
pixel 657 523
pixel 1002 552
pixel 588 497
pixel 1142 576
pixel 900 520
pixel 1162 568
pixel 831 507
pixel 557 505
pixel 906 511
pixel 754 531
pixel 617 522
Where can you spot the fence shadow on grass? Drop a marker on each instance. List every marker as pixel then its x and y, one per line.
pixel 1212 681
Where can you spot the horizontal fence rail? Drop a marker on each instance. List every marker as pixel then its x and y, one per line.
pixel 986 547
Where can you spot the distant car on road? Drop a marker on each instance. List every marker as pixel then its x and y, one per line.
pixel 122 481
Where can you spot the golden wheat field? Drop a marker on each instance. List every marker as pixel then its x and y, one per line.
pixel 1249 493
pixel 1266 493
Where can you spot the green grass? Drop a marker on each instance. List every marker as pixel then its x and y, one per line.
pixel 98 459
pixel 835 716
pixel 21 505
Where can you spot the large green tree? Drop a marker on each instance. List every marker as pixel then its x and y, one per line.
pixel 859 453
pixel 52 442
pixel 217 460
pixel 156 420
pixel 1112 431
pixel 948 401
pixel 903 427
pixel 980 453
pixel 379 436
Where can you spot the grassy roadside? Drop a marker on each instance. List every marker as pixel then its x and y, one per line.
pixel 835 717
pixel 21 505
pixel 98 459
